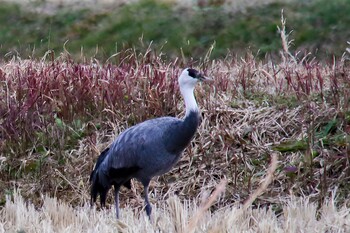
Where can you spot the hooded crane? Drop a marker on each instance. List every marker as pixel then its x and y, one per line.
pixel 148 149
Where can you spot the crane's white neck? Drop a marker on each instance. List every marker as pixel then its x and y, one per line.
pixel 190 100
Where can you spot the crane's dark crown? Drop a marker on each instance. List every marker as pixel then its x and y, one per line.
pixel 192 72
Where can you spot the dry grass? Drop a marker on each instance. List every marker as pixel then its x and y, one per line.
pixel 56 115
pixel 265 183
pixel 298 215
pixel 252 109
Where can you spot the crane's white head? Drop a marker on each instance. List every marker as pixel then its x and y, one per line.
pixel 187 81
pixel 189 77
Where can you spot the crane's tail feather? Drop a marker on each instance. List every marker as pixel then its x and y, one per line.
pixel 98 163
pixel 127 184
pixel 98 187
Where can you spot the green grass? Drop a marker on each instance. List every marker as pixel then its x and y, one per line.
pixel 318 25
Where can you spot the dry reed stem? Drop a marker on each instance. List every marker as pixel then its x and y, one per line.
pixel 193 222
pixel 265 183
pixel 284 38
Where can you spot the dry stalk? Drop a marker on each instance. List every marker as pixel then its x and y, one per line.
pixel 348 49
pixel 284 39
pixel 263 186
pixel 191 227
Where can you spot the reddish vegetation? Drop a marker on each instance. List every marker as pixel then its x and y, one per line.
pixel 57 115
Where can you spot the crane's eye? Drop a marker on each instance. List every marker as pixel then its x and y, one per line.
pixel 192 72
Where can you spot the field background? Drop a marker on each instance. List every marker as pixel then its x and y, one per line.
pixel 100 29
pixel 74 74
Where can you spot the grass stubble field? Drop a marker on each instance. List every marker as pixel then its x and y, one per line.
pixel 271 154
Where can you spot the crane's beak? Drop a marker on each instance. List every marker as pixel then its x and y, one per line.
pixel 202 78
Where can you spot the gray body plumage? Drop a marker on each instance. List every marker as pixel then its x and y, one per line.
pixel 151 148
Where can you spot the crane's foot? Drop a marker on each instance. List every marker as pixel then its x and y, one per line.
pixel 148 210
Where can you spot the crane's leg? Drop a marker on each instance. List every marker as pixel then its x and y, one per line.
pixel 148 207
pixel 116 199
pixel 92 202
pixel 103 197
